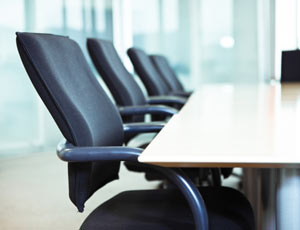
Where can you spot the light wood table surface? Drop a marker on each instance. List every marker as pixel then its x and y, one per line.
pixel 249 126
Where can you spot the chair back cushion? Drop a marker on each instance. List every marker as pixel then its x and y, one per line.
pixel 290 69
pixel 121 83
pixel 81 109
pixel 143 66
pixel 62 77
pixel 163 67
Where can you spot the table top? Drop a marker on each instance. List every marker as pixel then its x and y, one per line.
pixel 232 126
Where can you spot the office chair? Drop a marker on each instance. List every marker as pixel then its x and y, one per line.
pixel 168 75
pixel 290 71
pixel 153 81
pixel 132 101
pixel 93 149
pixel 149 74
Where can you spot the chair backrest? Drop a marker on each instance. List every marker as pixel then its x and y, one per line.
pixel 144 67
pixel 163 67
pixel 81 109
pixel 290 69
pixel 121 83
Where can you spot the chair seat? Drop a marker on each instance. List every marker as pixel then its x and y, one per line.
pixel 167 209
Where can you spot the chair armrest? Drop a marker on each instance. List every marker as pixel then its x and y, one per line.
pixel 167 100
pixel 70 153
pixel 181 94
pixel 147 109
pixel 140 127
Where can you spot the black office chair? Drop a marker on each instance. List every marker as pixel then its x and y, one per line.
pixel 153 81
pixel 146 71
pixel 290 71
pixel 131 99
pixel 168 75
pixel 94 132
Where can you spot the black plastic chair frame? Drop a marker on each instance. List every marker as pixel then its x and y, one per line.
pixel 147 109
pixel 68 152
pixel 167 73
pixel 166 100
pixel 141 127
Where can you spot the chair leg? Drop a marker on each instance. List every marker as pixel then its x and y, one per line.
pixel 216 177
pixel 190 192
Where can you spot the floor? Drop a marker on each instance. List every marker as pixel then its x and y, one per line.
pixel 34 193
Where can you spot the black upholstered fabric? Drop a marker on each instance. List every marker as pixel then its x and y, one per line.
pixel 166 209
pixel 120 82
pixel 79 106
pixel 290 70
pixel 166 72
pixel 123 87
pixel 144 67
pixel 58 65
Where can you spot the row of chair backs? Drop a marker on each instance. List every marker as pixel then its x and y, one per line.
pixel 154 71
pixel 80 107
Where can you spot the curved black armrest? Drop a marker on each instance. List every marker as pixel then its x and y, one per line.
pixel 70 153
pixel 181 94
pixel 140 127
pixel 167 100
pixel 147 109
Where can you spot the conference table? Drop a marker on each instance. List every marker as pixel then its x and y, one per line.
pixel 255 127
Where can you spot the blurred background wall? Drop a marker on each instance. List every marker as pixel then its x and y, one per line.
pixel 206 41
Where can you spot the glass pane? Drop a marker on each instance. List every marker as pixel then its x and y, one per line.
pixel 163 28
pixel 228 41
pixel 74 15
pixel 24 120
pixel 217 39
pixel 18 108
pixel 103 19
pixel 49 16
pixel 286 29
